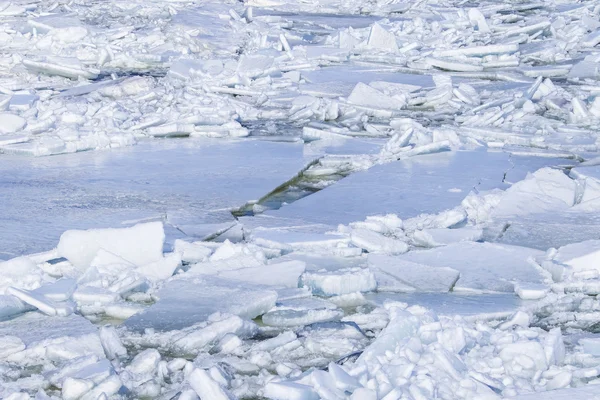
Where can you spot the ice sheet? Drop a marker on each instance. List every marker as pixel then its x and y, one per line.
pixel 424 184
pixel 105 189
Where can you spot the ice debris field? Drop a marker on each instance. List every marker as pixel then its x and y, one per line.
pixel 299 200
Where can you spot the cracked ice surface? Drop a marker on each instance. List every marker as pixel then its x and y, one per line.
pixel 104 189
pixel 299 200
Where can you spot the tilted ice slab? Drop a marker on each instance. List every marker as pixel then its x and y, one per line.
pixel 199 178
pixel 486 267
pixel 185 302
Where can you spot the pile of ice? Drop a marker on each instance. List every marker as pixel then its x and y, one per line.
pixel 285 318
pixel 291 314
pixel 87 77
pixel 422 356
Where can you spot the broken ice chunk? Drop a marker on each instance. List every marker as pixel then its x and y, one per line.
pixel 191 252
pixel 55 339
pixel 71 71
pixel 477 18
pixel 196 339
pixel 341 281
pixel 17 267
pixel 108 387
pixel 94 295
pixel 591 345
pixel 582 256
pixel 284 274
pixel 545 190
pixel 554 347
pixel 111 343
pixel 479 50
pixel 289 391
pixel 10 345
pixel 546 71
pixel 590 178
pixel 162 268
pixel 375 242
pixel 453 65
pixel 291 318
pixel 402 325
pixel 43 304
pixel 185 303
pixel 206 387
pixel 127 87
pixel 365 95
pixel 529 357
pixel 531 291
pixel 11 306
pixel 381 39
pixel 421 277
pixel 13 139
pixel 333 339
pixel 140 244
pixel 591 39
pixel 439 237
pixel 10 123
pixel 74 388
pixel 61 290
pixel 483 266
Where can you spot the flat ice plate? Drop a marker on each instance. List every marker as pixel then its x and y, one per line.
pixel 185 302
pixel 42 197
pixel 449 304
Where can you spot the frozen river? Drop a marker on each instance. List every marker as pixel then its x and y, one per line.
pixel 299 200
